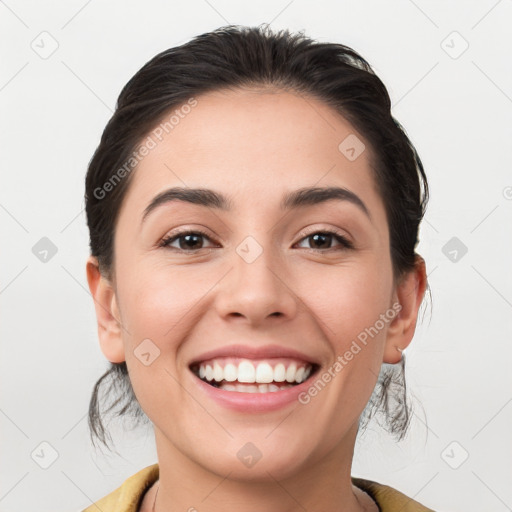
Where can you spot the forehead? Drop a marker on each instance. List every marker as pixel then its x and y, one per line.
pixel 255 144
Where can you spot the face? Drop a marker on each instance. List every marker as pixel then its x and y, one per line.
pixel 254 282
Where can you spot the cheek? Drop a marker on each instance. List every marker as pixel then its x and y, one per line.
pixel 159 308
pixel 347 299
pixel 156 301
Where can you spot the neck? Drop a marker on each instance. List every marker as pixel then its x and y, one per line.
pixel 322 485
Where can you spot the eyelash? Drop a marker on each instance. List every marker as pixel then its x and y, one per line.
pixel 337 235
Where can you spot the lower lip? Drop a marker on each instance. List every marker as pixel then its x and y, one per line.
pixel 253 402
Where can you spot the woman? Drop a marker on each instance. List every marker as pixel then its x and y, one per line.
pixel 253 210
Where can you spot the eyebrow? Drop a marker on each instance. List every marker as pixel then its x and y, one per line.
pixel 298 198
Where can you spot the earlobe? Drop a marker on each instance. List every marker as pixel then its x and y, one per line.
pixel 107 313
pixel 409 294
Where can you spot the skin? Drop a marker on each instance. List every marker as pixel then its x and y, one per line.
pixel 254 146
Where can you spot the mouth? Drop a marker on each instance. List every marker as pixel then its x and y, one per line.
pixel 240 375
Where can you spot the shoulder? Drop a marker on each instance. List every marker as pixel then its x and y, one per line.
pixel 127 497
pixel 387 498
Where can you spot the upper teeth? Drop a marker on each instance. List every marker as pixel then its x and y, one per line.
pixel 249 371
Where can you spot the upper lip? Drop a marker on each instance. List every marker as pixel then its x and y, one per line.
pixel 251 352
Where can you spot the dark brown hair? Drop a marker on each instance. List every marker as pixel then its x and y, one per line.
pixel 234 57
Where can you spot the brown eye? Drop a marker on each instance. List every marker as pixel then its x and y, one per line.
pixel 188 241
pixel 322 240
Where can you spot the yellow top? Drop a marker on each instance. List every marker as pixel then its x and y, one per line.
pixel 128 496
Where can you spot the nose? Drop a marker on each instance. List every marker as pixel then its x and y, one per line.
pixel 256 291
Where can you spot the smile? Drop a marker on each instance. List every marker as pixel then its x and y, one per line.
pixel 253 376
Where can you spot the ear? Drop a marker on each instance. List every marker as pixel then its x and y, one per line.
pixel 409 294
pixel 107 313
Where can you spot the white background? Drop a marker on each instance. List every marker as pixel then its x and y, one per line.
pixel 458 113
